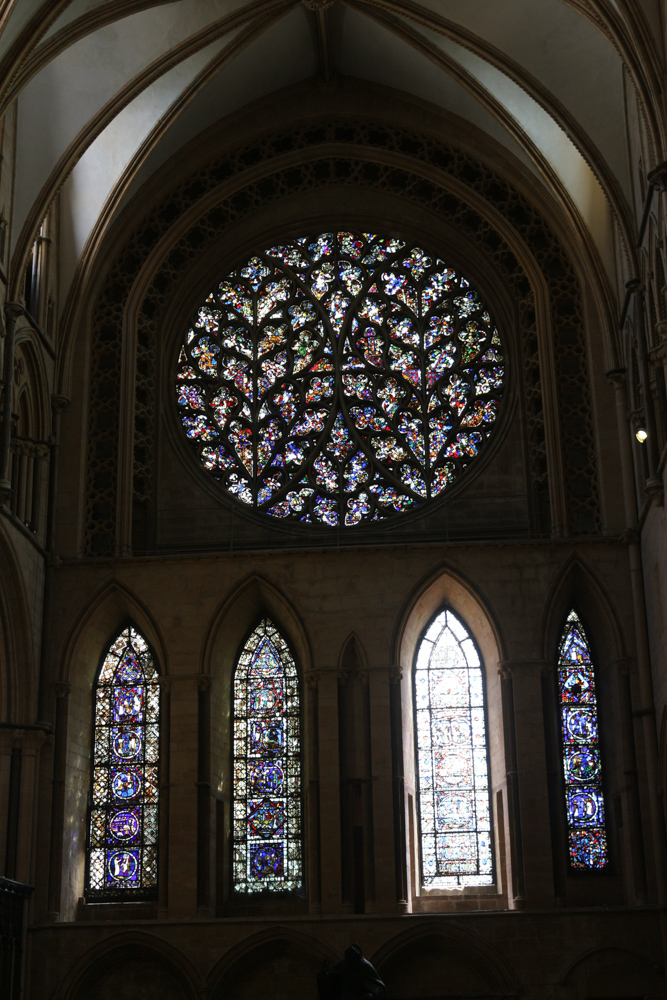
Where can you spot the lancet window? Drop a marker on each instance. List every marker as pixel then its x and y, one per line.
pixel 123 825
pixel 268 855
pixel 584 797
pixel 452 758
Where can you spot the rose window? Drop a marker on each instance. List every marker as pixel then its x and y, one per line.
pixel 340 379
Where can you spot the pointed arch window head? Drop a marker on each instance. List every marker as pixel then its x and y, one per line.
pixel 268 854
pixel 581 749
pixel 452 758
pixel 123 827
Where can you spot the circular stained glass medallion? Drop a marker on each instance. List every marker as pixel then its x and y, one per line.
pixel 340 379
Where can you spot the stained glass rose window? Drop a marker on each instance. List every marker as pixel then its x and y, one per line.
pixel 340 379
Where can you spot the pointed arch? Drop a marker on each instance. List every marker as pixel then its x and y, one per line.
pixel 122 854
pixel 452 755
pixel 247 602
pixel 576 585
pixel 105 615
pixel 267 830
pixel 353 655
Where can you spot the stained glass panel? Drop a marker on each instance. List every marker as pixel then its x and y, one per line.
pixel 267 767
pixel 340 379
pixel 452 759
pixel 584 799
pixel 123 827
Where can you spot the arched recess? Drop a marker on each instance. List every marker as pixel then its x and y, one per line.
pixel 613 973
pixel 249 602
pixel 451 962
pixel 18 662
pixel 576 588
pixel 107 614
pixel 448 588
pixel 280 963
pixel 461 186
pixel 29 448
pixel 135 964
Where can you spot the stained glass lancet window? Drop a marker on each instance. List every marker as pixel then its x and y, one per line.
pixel 581 749
pixel 123 828
pixel 340 379
pixel 452 758
pixel 268 854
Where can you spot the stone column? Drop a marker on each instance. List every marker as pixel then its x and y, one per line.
pixel 647 709
pixel 533 789
pixel 204 800
pixel 631 799
pixel 8 743
pixel 398 774
pixel 32 742
pixel 382 789
pixel 515 889
pixel 12 312
pixel 330 846
pixel 183 796
pixel 311 812
pixel 62 692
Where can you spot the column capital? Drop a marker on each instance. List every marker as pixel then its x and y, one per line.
pixel 625 665
pixel 657 177
pixel 204 682
pixel 62 689
pixel 617 377
pixel 514 668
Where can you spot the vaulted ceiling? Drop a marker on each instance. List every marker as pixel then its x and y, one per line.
pixel 108 90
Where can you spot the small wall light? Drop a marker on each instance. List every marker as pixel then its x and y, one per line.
pixel 641 434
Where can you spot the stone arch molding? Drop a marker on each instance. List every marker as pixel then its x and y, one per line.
pixel 476 962
pixel 99 960
pixel 577 586
pixel 107 613
pixel 248 601
pixel 433 175
pixel 16 653
pixel 447 586
pixel 612 972
pixel 255 950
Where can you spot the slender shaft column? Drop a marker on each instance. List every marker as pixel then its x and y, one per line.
pixel 516 890
pixel 647 709
pixel 644 372
pixel 532 780
pixel 330 845
pixel 33 741
pixel 659 358
pixel 383 793
pixel 204 800
pixel 12 312
pixel 62 691
pixel 7 744
pixel 312 798
pixel 632 811
pixel 398 771
pixel 183 796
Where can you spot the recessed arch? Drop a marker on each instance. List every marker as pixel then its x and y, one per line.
pixel 234 975
pixel 147 949
pixel 576 585
pixel 414 964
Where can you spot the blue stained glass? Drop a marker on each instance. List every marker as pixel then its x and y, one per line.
pixel 267 767
pixel 123 824
pixel 581 751
pixel 452 759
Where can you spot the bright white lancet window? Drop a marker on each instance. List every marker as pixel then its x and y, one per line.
pixel 452 758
